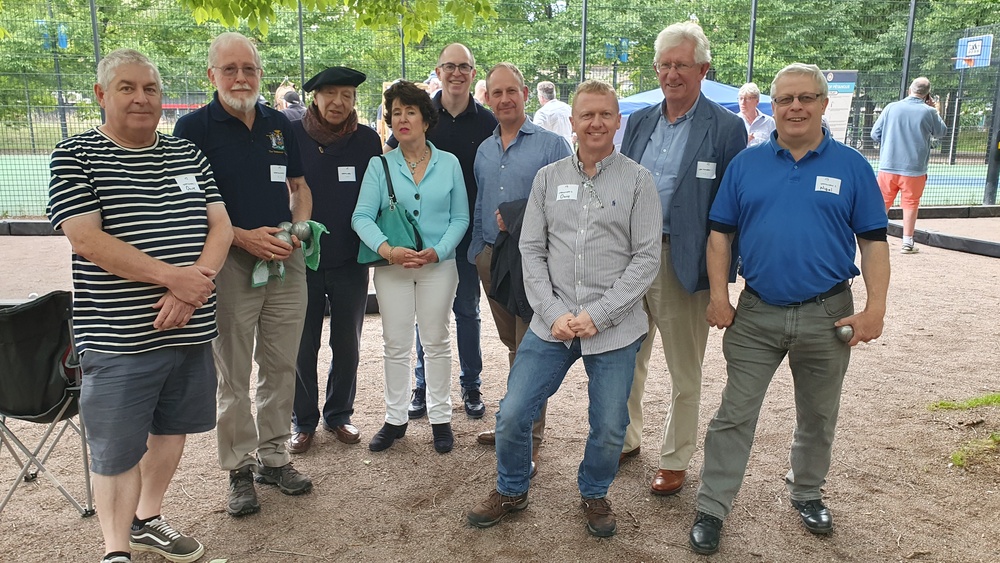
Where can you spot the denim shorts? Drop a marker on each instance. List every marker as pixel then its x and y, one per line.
pixel 127 397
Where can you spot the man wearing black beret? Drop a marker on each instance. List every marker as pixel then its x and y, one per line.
pixel 335 154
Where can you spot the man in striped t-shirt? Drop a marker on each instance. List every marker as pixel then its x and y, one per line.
pixel 149 232
pixel 590 248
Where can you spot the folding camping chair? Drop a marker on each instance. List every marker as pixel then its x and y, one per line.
pixel 40 379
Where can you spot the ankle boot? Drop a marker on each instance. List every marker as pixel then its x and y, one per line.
pixel 384 438
pixel 444 440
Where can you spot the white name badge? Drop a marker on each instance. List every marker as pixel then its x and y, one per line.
pixel 187 183
pixel 706 170
pixel 828 184
pixel 566 191
pixel 346 173
pixel 277 172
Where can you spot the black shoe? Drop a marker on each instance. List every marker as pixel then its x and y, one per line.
pixel 444 440
pixel 418 404
pixel 384 438
pixel 705 534
pixel 474 406
pixel 815 515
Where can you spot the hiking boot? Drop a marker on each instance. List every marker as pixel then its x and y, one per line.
pixel 418 404
pixel 242 494
pixel 444 439
pixel 600 517
pixel 494 508
pixel 474 406
pixel 286 478
pixel 909 248
pixel 160 538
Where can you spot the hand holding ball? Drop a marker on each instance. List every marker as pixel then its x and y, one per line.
pixel 845 333
pixel 285 226
pixel 302 230
pixel 283 236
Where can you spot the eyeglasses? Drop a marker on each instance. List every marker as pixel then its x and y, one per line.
pixel 804 99
pixel 464 68
pixel 230 71
pixel 679 67
pixel 595 200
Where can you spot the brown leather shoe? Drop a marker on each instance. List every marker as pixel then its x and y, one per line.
pixel 668 482
pixel 629 455
pixel 487 438
pixel 347 433
pixel 600 518
pixel 300 442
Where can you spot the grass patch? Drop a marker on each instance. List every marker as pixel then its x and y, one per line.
pixel 976 449
pixel 991 400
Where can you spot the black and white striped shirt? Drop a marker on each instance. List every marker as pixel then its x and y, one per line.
pixel 594 244
pixel 154 198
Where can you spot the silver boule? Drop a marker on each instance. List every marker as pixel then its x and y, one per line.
pixel 285 226
pixel 845 333
pixel 302 230
pixel 283 236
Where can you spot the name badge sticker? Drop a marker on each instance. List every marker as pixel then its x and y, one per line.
pixel 187 183
pixel 278 172
pixel 706 170
pixel 346 174
pixel 566 191
pixel 828 184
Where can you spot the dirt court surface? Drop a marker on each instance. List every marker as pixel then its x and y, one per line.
pixel 891 489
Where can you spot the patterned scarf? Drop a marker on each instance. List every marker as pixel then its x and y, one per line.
pixel 320 129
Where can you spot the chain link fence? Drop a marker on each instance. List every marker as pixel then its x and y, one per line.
pixel 47 67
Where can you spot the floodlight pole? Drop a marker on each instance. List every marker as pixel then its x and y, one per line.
pixel 60 100
pixel 753 37
pixel 906 50
pixel 993 151
pixel 302 54
pixel 583 43
pixel 97 41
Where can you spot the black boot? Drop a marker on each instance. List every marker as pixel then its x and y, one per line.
pixel 444 440
pixel 418 405
pixel 384 438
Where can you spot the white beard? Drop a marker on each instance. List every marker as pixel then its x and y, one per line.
pixel 240 104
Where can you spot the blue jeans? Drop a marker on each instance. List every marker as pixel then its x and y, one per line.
pixel 536 375
pixel 467 324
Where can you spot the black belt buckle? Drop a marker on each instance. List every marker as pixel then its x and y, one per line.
pixel 835 290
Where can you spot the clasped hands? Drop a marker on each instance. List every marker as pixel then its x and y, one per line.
pixel 569 326
pixel 407 257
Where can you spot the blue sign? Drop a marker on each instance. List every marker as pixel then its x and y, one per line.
pixel 974 52
pixel 63 40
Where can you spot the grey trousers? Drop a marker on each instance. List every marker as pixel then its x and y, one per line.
pixel 758 340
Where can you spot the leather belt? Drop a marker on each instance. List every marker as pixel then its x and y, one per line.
pixel 837 289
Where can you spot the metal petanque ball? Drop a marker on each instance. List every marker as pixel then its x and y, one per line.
pixel 283 236
pixel 845 333
pixel 302 230
pixel 286 226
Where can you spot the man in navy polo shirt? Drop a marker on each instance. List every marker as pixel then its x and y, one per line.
pixel 254 155
pixel 462 126
pixel 802 204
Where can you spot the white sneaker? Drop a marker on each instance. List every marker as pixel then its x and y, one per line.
pixel 909 249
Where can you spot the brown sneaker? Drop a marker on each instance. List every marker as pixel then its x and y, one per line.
pixel 494 508
pixel 600 517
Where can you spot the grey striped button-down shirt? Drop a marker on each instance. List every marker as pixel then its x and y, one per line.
pixel 592 244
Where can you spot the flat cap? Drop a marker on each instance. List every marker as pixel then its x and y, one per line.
pixel 335 76
pixel 292 96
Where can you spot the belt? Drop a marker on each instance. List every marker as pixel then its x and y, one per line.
pixel 665 237
pixel 837 289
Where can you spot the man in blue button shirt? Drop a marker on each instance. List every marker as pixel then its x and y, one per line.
pixel 506 164
pixel 687 143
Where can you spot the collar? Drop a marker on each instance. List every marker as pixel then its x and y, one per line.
pixel 601 164
pixel 527 128
pixel 219 113
pixel 824 143
pixel 470 109
pixel 687 115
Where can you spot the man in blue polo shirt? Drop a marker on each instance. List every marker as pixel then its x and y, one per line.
pixel 462 125
pixel 802 203
pixel 254 155
pixel 506 165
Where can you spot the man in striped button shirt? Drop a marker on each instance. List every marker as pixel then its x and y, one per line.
pixel 590 249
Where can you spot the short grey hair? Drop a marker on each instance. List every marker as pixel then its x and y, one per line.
pixel 678 33
pixel 802 69
pixel 510 67
pixel 546 90
pixel 107 68
pixel 749 90
pixel 226 39
pixel 920 87
pixel 592 86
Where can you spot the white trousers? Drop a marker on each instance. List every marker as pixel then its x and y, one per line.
pixel 422 295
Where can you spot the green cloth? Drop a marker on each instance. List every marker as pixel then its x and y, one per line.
pixel 310 248
pixel 263 270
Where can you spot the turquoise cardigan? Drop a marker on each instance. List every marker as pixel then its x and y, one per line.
pixel 439 204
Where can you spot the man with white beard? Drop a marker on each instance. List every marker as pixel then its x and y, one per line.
pixel 255 158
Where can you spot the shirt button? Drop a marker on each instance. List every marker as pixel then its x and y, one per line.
pixel 416 212
pixel 416 196
pixel 501 188
pixel 502 166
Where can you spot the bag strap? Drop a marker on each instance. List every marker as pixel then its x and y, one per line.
pixel 388 181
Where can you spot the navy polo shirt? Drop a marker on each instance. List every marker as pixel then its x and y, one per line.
pixel 334 173
pixel 250 165
pixel 461 135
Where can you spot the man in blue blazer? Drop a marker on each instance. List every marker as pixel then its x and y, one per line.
pixel 686 142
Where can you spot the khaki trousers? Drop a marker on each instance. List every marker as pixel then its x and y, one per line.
pixel 680 318
pixel 511 329
pixel 264 323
